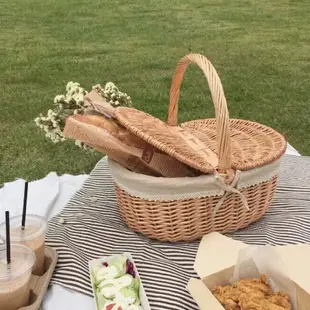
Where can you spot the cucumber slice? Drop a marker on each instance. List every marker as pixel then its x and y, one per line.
pixel 126 295
pixel 107 283
pixel 125 281
pixel 106 273
pixel 119 262
pixel 109 291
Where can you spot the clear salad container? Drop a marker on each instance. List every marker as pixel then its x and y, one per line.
pixel 116 284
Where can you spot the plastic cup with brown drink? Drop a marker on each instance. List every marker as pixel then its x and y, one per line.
pixel 15 277
pixel 32 236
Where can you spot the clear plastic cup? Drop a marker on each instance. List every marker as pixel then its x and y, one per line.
pixel 15 277
pixel 33 236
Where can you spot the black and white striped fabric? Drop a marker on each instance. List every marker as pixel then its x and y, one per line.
pixel 93 228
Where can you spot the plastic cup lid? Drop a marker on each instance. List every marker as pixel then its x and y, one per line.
pixel 22 261
pixel 36 226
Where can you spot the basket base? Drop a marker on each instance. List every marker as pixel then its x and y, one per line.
pixel 191 219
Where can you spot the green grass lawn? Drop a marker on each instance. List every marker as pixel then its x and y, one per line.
pixel 261 50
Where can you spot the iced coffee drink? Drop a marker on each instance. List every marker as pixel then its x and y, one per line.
pixel 15 277
pixel 32 236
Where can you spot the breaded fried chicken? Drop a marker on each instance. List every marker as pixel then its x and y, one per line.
pixel 251 294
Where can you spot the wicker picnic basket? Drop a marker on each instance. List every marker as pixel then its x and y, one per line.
pixel 240 161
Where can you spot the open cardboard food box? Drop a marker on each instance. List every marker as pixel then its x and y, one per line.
pixel 217 256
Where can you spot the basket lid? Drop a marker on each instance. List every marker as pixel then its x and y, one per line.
pixel 173 140
pixel 252 144
pixel 159 133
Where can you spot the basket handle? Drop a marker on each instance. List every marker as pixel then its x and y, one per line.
pixel 219 101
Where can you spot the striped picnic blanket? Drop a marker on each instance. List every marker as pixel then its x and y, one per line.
pixel 93 228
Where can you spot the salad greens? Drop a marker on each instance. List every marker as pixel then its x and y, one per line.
pixel 116 286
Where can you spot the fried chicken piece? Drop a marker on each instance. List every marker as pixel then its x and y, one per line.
pixel 259 304
pixel 262 285
pixel 227 296
pixel 230 305
pixel 227 291
pixel 280 299
pixel 251 294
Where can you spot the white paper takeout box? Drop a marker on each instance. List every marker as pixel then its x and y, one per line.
pixel 217 256
pixel 144 301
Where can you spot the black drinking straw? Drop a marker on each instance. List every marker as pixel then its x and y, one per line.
pixel 8 241
pixel 25 205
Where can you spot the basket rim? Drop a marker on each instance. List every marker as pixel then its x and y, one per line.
pixel 171 189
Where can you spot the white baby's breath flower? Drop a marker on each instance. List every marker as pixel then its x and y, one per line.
pixel 72 85
pixel 81 98
pixel 59 98
pixel 110 86
pixel 97 87
pixel 72 103
pixel 78 143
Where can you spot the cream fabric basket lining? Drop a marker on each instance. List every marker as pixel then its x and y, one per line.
pixel 171 189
